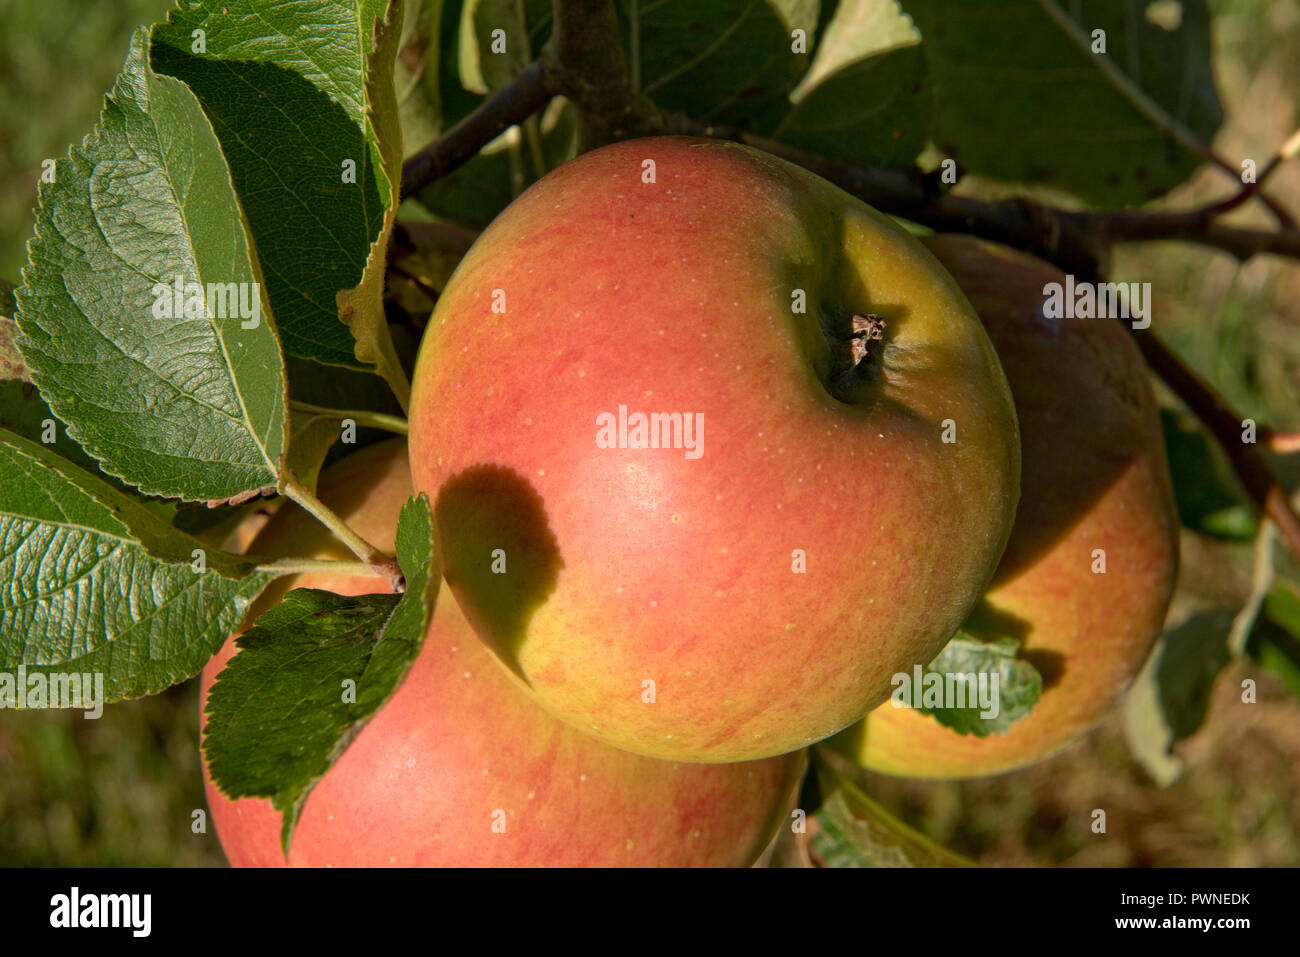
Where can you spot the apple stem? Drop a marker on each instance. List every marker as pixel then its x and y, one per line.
pixel 378 420
pixel 376 559
pixel 298 566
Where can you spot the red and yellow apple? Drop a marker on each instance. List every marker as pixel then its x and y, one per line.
pixel 753 592
pixel 1095 488
pixel 460 768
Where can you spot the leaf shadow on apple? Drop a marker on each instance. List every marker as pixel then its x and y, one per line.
pixel 501 558
pixel 989 623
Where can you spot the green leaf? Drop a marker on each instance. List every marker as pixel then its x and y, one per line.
pixel 1170 696
pixel 98 583
pixel 331 388
pixel 1210 501
pixel 855 831
pixel 190 406
pixel 1018 685
pixel 727 61
pixel 22 410
pixel 457 102
pixel 279 714
pixel 1275 640
pixel 1019 96
pixel 284 86
pixel 865 99
pixel 493 44
pixel 417 73
pixel 312 436
pixel 362 308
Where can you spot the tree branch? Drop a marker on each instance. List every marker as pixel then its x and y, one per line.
pixel 1249 463
pixel 1077 241
pixel 586 50
pixel 512 104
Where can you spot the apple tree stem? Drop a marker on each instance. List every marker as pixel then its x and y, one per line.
pixel 376 559
pixel 378 420
pixel 298 566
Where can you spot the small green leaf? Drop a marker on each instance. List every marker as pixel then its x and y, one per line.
pixel 311 437
pixel 417 73
pixel 1170 696
pixel 1275 640
pixel 362 308
pixel 855 831
pixel 727 61
pixel 280 715
pixel 1209 499
pixel 98 583
pixel 187 406
pixel 1013 685
pixel 22 410
pixel 493 44
pixel 866 98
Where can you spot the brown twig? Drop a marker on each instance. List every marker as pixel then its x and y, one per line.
pixel 1288 149
pixel 512 104
pixel 1077 241
pixel 1249 463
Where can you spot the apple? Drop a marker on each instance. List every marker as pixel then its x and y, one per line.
pixel 1095 479
pixel 715 449
pixel 458 750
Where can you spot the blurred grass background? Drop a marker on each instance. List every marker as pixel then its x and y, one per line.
pixel 123 790
pixel 120 790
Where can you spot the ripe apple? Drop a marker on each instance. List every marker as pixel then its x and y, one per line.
pixel 1094 478
pixel 459 749
pixel 828 486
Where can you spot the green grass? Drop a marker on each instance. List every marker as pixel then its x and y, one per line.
pixel 57 60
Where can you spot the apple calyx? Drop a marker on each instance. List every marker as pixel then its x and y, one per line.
pixel 852 355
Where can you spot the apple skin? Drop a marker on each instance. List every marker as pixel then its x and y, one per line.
pixel 628 566
pixel 420 783
pixel 1094 476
